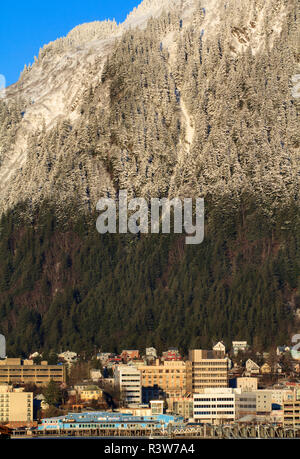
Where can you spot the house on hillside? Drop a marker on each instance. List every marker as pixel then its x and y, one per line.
pixel 220 347
pixel 251 368
pixel 265 369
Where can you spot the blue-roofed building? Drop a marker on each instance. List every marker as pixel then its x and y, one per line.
pixel 107 420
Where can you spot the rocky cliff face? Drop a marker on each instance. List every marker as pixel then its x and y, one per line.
pixel 185 97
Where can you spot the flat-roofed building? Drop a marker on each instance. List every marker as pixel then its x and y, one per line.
pixel 291 412
pixel 16 406
pixel 222 405
pixel 17 371
pixel 207 370
pixel 128 381
pixel 164 379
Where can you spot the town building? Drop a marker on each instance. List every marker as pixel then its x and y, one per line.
pixel 109 421
pixel 251 368
pixel 128 381
pixel 265 369
pixel 17 371
pixel 220 348
pixel 78 388
pixel 16 406
pixel 222 405
pixel 291 412
pixel 90 393
pixel 164 379
pixel 130 355
pixel 206 371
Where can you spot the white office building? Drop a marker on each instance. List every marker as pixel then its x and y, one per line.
pixel 128 380
pixel 219 405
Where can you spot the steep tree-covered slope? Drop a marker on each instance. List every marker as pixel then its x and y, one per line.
pixel 64 285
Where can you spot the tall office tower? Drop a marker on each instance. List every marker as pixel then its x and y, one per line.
pixel 128 380
pixel 208 370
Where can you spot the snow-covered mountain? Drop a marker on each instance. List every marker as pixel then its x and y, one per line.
pixel 196 50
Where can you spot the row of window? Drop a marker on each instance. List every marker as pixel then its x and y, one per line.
pixel 164 371
pixel 221 365
pixel 214 406
pixel 212 413
pixel 214 399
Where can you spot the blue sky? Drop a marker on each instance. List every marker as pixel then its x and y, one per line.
pixel 26 26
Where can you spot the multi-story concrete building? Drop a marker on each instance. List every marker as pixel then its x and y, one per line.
pixel 291 412
pixel 207 370
pixel 19 371
pixel 164 379
pixel 266 398
pixel 217 406
pixel 16 406
pixel 128 381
